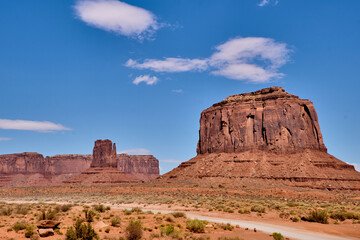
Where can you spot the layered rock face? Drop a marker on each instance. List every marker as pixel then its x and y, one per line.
pixel 267 138
pixel 104 154
pixel 107 167
pixel 104 166
pixel 269 119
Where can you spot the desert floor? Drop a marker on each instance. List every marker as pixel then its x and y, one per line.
pixel 288 211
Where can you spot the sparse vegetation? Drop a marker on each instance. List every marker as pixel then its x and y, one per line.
pixel 134 230
pixel 81 231
pixel 196 226
pixel 277 236
pixel 319 216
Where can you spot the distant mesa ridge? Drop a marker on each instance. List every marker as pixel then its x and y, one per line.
pixel 264 138
pixel 32 169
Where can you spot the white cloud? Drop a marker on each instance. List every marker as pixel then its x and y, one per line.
pixel 266 2
pixel 356 165
pixel 253 59
pixel 136 151
pixel 38 126
pixel 146 79
pixel 118 17
pixel 263 3
pixel 177 91
pixel 4 139
pixel 170 64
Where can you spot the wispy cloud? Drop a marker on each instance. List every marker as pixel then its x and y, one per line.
pixel 146 79
pixel 253 59
pixel 356 165
pixel 266 2
pixel 136 151
pixel 170 64
pixel 118 17
pixel 5 139
pixel 38 126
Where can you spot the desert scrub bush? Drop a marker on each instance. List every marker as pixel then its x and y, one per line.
pixel 319 216
pixel 284 215
pixel 6 211
pixel 277 236
pixel 115 221
pixel 134 230
pixel 136 210
pixel 169 230
pixel 22 209
pixel 66 207
pixel 258 208
pixel 107 230
pixel 89 215
pixel 127 212
pixel 178 214
pixel 196 226
pixel 343 215
pixel 227 226
pixel 48 215
pixel 20 225
pixel 294 219
pixel 99 208
pixel 29 231
pixel 244 211
pixel 81 231
pixel 169 218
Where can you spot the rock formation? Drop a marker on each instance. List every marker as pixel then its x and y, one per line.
pixel 262 138
pixel 104 154
pixel 32 169
pixel 108 167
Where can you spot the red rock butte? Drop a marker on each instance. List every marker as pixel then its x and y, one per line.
pixel 263 138
pixel 105 166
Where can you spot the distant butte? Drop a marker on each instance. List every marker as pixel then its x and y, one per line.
pixel 105 165
pixel 264 138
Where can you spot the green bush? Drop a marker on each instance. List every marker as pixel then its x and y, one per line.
pixel 319 216
pixel 89 215
pixel 48 215
pixel 99 208
pixel 277 236
pixel 134 230
pixel 227 226
pixel 107 230
pixel 115 221
pixel 196 226
pixel 29 231
pixel 343 215
pixel 258 208
pixel 178 214
pixel 81 231
pixel 21 225
pixel 22 209
pixel 66 207
pixel 294 219
pixel 6 211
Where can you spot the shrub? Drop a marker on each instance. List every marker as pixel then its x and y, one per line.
pixel 178 214
pixel 343 215
pixel 81 231
pixel 294 219
pixel 136 209
pixel 258 208
pixel 134 230
pixel 21 225
pixel 6 211
pixel 22 209
pixel 99 208
pixel 316 215
pixel 107 230
pixel 65 207
pixel 221 186
pixel 48 215
pixel 169 218
pixel 277 236
pixel 29 231
pixel 227 226
pixel 196 226
pixel 89 215
pixel 115 221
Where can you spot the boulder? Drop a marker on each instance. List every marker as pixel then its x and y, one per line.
pixel 46 232
pixel 48 224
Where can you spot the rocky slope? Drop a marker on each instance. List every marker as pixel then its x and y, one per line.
pixel 264 138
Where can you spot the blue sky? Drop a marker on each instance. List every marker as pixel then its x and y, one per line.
pixel 141 72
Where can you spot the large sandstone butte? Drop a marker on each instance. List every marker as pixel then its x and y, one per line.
pixel 263 138
pixel 108 167
pixel 32 169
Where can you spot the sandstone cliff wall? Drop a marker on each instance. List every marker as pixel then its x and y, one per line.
pixel 22 163
pixel 268 119
pixel 67 164
pixel 146 164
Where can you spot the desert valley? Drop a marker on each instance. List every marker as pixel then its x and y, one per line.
pixel 262 171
